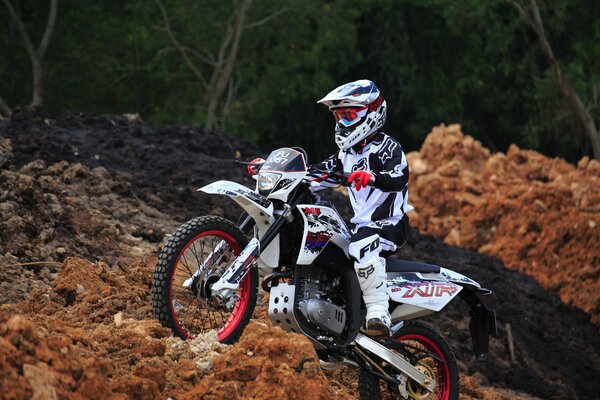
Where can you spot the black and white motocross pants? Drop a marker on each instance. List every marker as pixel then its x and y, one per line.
pixel 380 238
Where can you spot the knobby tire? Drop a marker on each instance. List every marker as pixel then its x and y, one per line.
pixel 170 257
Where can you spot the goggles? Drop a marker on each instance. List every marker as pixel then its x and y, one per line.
pixel 348 116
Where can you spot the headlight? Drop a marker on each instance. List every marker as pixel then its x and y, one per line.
pixel 267 181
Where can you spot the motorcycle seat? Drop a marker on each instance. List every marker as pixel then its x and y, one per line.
pixel 395 265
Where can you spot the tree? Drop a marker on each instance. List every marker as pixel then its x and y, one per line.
pixel 255 68
pixel 35 56
pixel 533 19
pixel 222 65
pixel 4 109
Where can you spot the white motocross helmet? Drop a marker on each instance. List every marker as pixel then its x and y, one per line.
pixel 359 111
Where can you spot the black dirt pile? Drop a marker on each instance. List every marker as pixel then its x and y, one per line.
pixel 94 185
pixel 50 212
pixel 165 165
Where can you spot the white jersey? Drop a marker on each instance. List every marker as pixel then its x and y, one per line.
pixel 386 201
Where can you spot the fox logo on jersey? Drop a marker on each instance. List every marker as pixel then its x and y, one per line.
pixel 361 165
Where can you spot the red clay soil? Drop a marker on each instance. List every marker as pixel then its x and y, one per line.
pixel 539 215
pixel 93 336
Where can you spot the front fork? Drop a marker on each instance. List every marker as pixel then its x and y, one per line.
pixel 226 287
pixel 214 258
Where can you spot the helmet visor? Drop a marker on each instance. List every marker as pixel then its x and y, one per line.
pixel 349 116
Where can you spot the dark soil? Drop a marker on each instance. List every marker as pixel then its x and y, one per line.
pixel 556 345
pixel 165 165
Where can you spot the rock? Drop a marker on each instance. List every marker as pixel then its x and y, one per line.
pixel 42 381
pixel 118 319
pixel 583 163
pixel 34 167
pixel 418 166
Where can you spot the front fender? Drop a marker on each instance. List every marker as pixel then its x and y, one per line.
pixel 258 207
pixel 248 199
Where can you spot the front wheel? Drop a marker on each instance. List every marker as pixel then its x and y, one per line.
pixel 429 352
pixel 193 259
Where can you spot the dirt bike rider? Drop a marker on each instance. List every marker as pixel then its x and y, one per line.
pixel 379 195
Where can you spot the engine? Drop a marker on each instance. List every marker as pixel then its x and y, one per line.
pixel 313 301
pixel 317 292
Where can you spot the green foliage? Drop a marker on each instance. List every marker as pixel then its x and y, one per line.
pixel 471 61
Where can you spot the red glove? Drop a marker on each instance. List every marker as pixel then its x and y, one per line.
pixel 253 169
pixel 361 179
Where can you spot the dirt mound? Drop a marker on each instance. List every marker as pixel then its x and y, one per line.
pixel 93 336
pixel 53 212
pixel 166 165
pixel 540 216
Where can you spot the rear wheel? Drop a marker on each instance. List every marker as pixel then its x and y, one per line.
pixel 429 352
pixel 193 259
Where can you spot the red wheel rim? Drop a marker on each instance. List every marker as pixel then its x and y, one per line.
pixel 443 371
pixel 243 292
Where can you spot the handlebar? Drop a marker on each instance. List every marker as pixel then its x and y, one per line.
pixel 317 175
pixel 339 178
pixel 247 163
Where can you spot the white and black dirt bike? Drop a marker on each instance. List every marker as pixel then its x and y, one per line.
pixel 207 277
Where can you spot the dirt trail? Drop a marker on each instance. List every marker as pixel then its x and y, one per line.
pixel 84 329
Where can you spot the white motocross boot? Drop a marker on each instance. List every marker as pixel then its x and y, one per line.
pixel 373 283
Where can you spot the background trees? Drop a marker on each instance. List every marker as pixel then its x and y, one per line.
pixel 35 55
pixel 257 68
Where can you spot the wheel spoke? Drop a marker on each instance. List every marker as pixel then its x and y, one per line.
pixel 181 287
pixel 185 264
pixel 429 363
pixel 193 325
pixel 195 253
pixel 187 306
pixel 191 262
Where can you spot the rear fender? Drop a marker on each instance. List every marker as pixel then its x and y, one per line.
pixel 447 275
pixel 258 207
